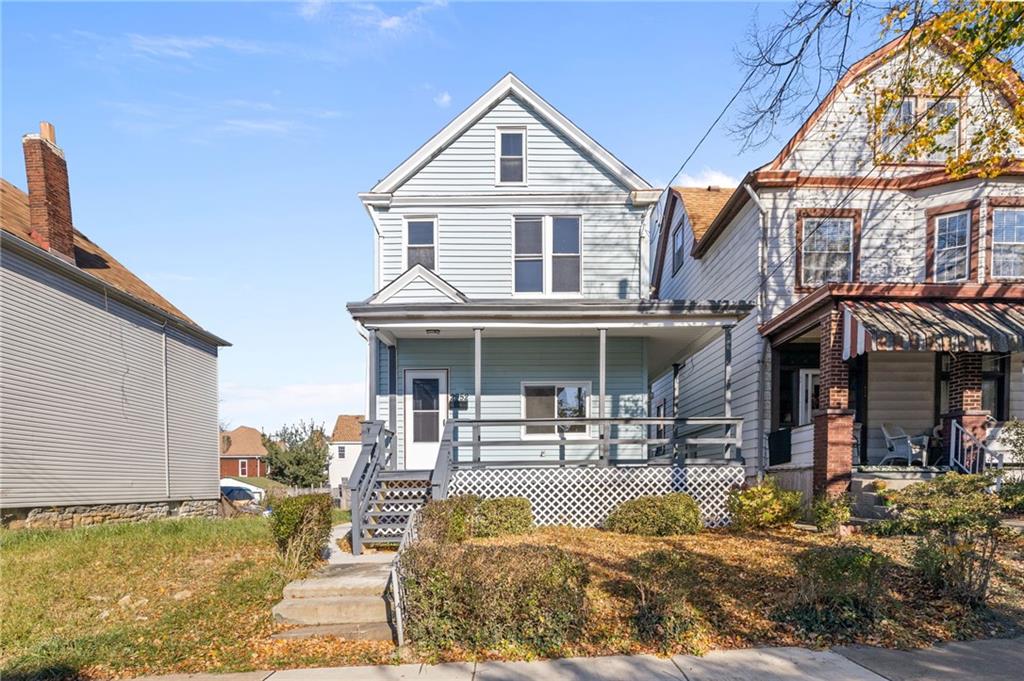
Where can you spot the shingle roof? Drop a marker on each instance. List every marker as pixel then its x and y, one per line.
pixel 702 205
pixel 242 441
pixel 89 257
pixel 347 428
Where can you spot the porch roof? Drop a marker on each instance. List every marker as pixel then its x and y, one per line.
pixel 925 317
pixel 675 328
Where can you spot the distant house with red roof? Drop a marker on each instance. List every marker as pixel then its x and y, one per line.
pixel 242 453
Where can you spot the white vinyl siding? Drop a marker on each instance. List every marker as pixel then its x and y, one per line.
pixel 476 246
pixel 82 388
pixel 508 362
pixel 467 165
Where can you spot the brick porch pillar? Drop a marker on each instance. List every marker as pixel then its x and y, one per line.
pixel 964 397
pixel 833 420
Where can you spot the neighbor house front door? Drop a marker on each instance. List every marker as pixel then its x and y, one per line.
pixel 426 406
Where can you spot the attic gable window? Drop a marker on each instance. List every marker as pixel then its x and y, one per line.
pixel 421 242
pixel 940 117
pixel 511 156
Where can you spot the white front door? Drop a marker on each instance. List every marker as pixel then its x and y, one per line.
pixel 426 406
pixel 809 391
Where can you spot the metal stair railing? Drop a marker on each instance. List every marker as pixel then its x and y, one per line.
pixel 968 454
pixel 376 455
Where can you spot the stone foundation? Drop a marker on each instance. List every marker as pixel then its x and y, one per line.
pixel 67 517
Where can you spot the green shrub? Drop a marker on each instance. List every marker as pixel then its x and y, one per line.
pixel 1011 497
pixel 459 518
pixel 503 516
pixel 958 520
pixel 480 596
pixel 831 511
pixel 301 527
pixel 662 613
pixel 837 587
pixel 764 505
pixel 656 516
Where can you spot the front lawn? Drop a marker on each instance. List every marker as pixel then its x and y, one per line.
pixel 150 598
pixel 742 584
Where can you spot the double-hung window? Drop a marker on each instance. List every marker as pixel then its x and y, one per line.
pixel 341 451
pixel 421 242
pixel 529 245
pixel 827 251
pixel 940 118
pixel 952 246
pixel 565 254
pixel 548 253
pixel 556 400
pixel 511 156
pixel 1008 243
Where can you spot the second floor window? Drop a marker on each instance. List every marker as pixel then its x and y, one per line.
pixel 547 254
pixel 952 246
pixel 1008 243
pixel 511 156
pixel 677 246
pixel 421 244
pixel 827 251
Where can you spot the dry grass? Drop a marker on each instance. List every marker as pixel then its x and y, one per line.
pixel 149 598
pixel 744 582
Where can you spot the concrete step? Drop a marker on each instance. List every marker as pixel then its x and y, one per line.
pixel 355 579
pixel 362 631
pixel 331 610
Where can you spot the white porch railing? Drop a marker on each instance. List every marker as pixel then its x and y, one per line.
pixel 967 454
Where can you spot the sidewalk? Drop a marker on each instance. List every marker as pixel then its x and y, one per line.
pixel 991 660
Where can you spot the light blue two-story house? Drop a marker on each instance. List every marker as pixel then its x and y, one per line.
pixel 511 334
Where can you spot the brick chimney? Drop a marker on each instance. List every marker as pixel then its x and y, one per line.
pixel 49 197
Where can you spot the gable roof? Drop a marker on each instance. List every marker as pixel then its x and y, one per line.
pixel 89 258
pixel 242 441
pixel 348 428
pixel 509 85
pixel 419 273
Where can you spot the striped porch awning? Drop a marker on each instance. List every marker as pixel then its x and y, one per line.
pixel 936 326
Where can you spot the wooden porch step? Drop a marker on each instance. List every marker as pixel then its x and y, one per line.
pixel 405 475
pixel 377 541
pixel 384 526
pixel 411 491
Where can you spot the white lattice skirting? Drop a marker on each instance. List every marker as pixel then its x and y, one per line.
pixel 585 496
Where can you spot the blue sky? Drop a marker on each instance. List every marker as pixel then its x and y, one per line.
pixel 216 149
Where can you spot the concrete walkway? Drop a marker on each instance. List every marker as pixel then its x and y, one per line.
pixel 336 556
pixel 992 660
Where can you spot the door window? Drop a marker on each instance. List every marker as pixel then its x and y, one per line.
pixel 426 405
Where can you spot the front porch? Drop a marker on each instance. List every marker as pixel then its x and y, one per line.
pixel 546 400
pixel 913 375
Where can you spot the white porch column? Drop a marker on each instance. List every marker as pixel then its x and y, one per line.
pixel 371 375
pixel 477 389
pixel 601 376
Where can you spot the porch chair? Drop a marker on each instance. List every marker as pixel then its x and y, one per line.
pixel 902 447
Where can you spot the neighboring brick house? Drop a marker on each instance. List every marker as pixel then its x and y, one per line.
pixel 109 391
pixel 344 447
pixel 242 453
